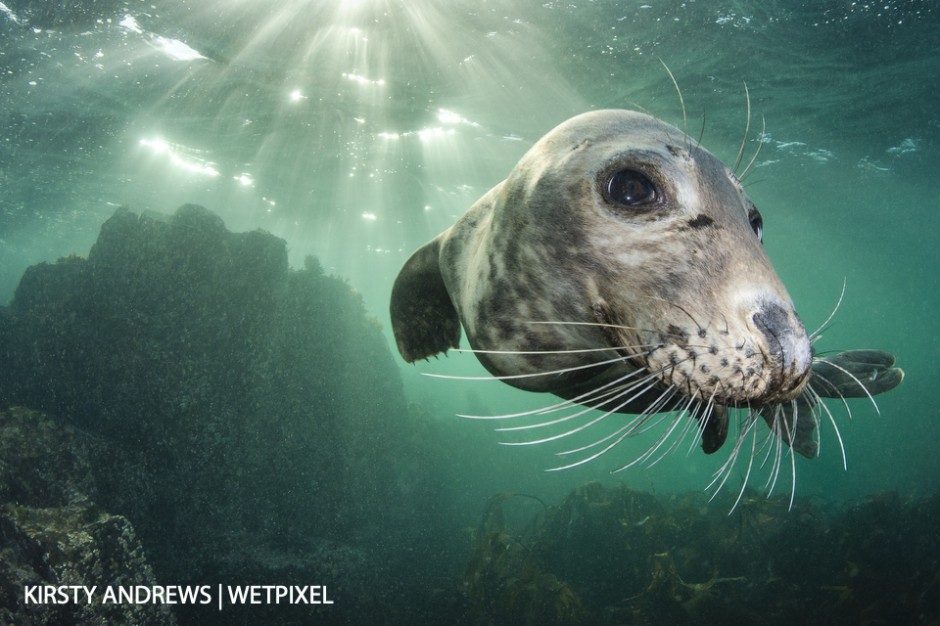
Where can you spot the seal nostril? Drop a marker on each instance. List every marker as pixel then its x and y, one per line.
pixel 785 336
pixel 772 320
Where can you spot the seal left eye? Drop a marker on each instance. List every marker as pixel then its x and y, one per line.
pixel 757 225
pixel 631 188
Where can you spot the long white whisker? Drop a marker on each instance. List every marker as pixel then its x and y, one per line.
pixel 618 390
pixel 760 144
pixel 599 324
pixel 682 416
pixel 621 327
pixel 576 323
pixel 588 324
pixel 612 395
pixel 831 385
pixel 657 406
pixel 623 432
pixel 790 430
pixel 574 351
pixel 653 448
pixel 692 424
pixel 703 422
pixel 747 474
pixel 815 334
pixel 792 478
pixel 835 427
pixel 589 395
pixel 857 381
pixel 774 446
pixel 563 370
pixel 747 130
pixel 559 420
pixel 653 381
pixel 725 469
pixel 769 442
pixel 685 125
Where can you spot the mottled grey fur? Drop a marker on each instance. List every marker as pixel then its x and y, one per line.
pixel 681 288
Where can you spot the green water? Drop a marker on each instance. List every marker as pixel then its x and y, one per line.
pixel 358 130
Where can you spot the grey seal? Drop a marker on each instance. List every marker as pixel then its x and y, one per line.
pixel 620 266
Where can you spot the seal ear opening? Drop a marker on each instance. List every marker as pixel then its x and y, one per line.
pixel 424 319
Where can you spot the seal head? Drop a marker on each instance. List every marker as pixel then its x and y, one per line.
pixel 615 250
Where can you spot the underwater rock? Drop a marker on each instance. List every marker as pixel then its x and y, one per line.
pixel 43 463
pixel 72 545
pixel 53 534
pixel 241 406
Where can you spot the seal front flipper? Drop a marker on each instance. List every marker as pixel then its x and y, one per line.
pixel 795 423
pixel 715 429
pixel 855 374
pixel 424 319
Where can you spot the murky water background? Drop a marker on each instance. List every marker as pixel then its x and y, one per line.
pixel 358 130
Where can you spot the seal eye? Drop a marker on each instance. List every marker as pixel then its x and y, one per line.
pixel 757 225
pixel 631 188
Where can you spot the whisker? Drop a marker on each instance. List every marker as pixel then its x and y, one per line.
pixel 594 324
pixel 760 144
pixel 835 427
pixel 747 130
pixel 564 370
pixel 560 420
pixel 653 380
pixel 572 351
pixel 554 408
pixel 709 411
pixel 685 125
pixel 774 451
pixel 835 389
pixel 747 473
pixel 635 328
pixel 654 414
pixel 575 323
pixel 615 394
pixel 789 430
pixel 816 333
pixel 584 397
pixel 792 478
pixel 774 446
pixel 770 440
pixel 725 470
pixel 701 331
pixel 681 336
pixel 653 448
pixel 706 409
pixel 682 416
pixel 636 425
pixel 857 381
pixel 701 133
pixel 623 433
pixel 657 408
pixel 698 411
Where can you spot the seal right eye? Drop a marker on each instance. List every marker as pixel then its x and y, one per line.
pixel 631 188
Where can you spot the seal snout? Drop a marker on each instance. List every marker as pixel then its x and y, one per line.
pixel 789 350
